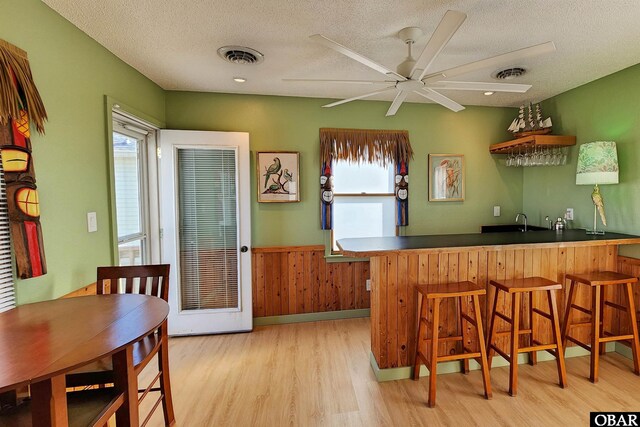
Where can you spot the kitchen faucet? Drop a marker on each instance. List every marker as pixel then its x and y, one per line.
pixel 525 220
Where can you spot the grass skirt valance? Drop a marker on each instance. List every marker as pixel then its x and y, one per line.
pixel 365 146
pixel 17 86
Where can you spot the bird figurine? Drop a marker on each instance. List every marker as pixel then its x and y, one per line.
pixel 273 169
pixel 598 201
pixel 287 175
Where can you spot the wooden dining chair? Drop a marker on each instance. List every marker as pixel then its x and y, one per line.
pixel 144 279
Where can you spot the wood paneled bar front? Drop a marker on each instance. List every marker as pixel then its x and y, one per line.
pixel 398 264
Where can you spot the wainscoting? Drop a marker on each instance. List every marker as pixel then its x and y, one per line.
pixel 394 305
pixel 298 280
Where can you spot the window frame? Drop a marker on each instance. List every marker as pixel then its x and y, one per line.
pixel 123 122
pixel 143 193
pixel 337 252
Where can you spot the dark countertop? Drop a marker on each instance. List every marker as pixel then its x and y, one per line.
pixel 371 246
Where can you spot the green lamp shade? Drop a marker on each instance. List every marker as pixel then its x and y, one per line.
pixel 597 163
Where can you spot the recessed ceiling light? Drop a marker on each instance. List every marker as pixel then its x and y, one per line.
pixel 239 79
pixel 488 93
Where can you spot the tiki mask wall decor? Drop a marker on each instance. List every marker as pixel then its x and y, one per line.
pixel 20 104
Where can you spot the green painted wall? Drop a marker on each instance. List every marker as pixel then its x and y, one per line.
pixel 606 109
pixel 289 123
pixel 73 74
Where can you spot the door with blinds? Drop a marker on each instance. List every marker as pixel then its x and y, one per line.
pixel 206 230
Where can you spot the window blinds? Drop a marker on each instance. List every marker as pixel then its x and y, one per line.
pixel 7 293
pixel 208 229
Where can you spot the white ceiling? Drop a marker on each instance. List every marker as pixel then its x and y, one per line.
pixel 174 42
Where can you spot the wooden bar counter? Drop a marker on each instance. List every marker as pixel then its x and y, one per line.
pixel 398 264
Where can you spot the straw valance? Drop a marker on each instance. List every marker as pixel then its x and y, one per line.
pixel 384 147
pixel 18 92
pixel 365 145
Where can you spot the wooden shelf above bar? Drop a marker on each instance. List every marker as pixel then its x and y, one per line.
pixel 532 141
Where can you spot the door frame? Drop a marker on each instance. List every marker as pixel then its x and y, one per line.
pixel 190 322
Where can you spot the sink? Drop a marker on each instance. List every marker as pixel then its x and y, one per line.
pixel 506 228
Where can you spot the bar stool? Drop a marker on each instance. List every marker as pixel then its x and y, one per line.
pixel 515 288
pixel 599 336
pixel 437 293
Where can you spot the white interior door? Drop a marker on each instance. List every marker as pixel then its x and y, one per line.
pixel 206 232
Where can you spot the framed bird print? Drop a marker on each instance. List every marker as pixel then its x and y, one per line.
pixel 278 174
pixel 446 177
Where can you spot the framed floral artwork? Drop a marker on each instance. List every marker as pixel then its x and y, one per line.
pixel 446 177
pixel 278 175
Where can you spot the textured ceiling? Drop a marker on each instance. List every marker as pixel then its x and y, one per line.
pixel 174 42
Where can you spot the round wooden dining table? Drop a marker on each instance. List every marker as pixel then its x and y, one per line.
pixel 41 342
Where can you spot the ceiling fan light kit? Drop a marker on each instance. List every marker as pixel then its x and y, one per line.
pixel 414 76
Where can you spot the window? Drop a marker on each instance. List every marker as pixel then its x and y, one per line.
pixel 7 293
pixel 131 194
pixel 364 201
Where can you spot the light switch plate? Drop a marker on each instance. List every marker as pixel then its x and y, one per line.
pixel 92 222
pixel 569 215
pixel 496 211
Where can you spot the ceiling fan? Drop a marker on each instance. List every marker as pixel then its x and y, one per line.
pixel 414 75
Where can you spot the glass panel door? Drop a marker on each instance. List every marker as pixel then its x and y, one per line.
pixel 206 223
pixel 208 228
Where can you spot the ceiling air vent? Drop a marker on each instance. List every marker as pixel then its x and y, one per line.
pixel 240 55
pixel 509 73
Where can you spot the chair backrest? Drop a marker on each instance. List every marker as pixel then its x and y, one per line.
pixel 139 279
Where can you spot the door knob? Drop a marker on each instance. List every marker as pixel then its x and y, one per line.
pixel 244 249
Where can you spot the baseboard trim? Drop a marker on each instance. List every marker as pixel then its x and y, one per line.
pixel 624 350
pixel 311 317
pixel 391 374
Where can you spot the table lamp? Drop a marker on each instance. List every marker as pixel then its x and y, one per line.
pixel 597 164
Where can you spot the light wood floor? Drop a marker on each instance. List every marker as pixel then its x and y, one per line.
pixel 318 373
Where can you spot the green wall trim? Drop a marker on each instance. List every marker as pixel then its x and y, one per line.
pixel 391 374
pixel 624 350
pixel 311 317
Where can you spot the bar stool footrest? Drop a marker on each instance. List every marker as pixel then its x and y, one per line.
pixel 453 357
pixel 537 347
pixel 580 343
pixel 500 352
pixel 616 306
pixel 504 317
pixel 505 333
pixel 616 338
pixel 541 313
pixel 582 309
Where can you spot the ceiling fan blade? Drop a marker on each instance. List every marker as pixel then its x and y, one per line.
pixel 494 62
pixel 355 56
pixel 358 82
pixel 397 102
pixel 447 27
pixel 440 99
pixel 355 98
pixel 481 86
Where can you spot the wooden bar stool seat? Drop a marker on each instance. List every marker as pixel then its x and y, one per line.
pixel 430 357
pixel 515 288
pixel 599 336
